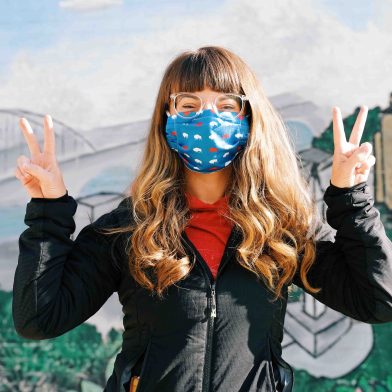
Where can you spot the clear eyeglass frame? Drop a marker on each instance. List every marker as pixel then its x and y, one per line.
pixel 174 96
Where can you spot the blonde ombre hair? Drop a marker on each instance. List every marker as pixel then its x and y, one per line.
pixel 269 199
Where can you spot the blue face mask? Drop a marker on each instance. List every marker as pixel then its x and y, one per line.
pixel 207 142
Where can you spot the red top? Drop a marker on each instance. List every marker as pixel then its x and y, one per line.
pixel 208 229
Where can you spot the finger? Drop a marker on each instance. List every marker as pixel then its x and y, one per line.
pixel 36 171
pixel 362 154
pixel 362 170
pixel 30 137
pixel 21 177
pixel 368 163
pixel 359 126
pixel 339 137
pixel 18 173
pixel 21 160
pixel 49 136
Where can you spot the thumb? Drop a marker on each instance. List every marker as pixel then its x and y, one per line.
pixel 35 170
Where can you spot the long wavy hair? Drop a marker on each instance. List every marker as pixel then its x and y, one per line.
pixel 269 200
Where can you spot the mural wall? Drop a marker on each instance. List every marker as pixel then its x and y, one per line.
pixel 95 66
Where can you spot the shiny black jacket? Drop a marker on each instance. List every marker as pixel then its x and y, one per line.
pixel 206 335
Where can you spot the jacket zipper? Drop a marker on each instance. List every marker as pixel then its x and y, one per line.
pixel 210 332
pixel 211 305
pixel 213 300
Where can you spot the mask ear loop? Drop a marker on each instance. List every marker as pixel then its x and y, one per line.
pixel 242 118
pixel 173 117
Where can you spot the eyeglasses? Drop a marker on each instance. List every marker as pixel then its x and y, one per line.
pixel 189 105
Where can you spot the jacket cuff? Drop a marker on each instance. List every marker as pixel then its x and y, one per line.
pixel 335 190
pixel 63 198
pixel 346 202
pixel 59 209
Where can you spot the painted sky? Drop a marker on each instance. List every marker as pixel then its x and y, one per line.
pixel 99 62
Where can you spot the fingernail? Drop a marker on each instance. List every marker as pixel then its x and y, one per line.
pixel 50 122
pixel 26 125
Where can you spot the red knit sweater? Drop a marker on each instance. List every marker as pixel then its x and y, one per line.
pixel 208 229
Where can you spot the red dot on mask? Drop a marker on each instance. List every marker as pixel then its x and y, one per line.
pixel 241 117
pixel 185 147
pixel 226 136
pixel 213 149
pixel 199 124
pixel 174 133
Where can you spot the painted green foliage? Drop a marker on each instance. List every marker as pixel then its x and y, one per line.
pixel 373 124
pixel 80 354
pixel 373 375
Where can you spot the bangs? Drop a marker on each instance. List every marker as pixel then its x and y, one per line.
pixel 205 68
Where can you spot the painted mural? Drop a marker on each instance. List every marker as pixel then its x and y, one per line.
pixel 95 65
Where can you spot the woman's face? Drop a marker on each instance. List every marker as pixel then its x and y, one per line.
pixel 207 95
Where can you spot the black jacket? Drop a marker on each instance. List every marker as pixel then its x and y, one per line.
pixel 222 336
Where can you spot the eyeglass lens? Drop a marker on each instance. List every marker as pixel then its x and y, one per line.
pixel 188 104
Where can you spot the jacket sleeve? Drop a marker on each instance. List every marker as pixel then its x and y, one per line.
pixel 59 282
pixel 353 264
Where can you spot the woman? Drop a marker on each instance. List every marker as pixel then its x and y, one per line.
pixel 217 224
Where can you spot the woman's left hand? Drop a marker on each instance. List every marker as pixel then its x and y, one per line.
pixel 351 161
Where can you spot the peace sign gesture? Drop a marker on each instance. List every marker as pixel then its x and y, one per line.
pixel 40 175
pixel 351 161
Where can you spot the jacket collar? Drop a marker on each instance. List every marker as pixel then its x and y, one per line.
pixel 233 241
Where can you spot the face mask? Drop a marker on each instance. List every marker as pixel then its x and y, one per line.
pixel 207 142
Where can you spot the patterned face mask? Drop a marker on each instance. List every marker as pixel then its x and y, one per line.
pixel 207 142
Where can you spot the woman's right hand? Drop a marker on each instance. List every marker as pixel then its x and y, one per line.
pixel 40 175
